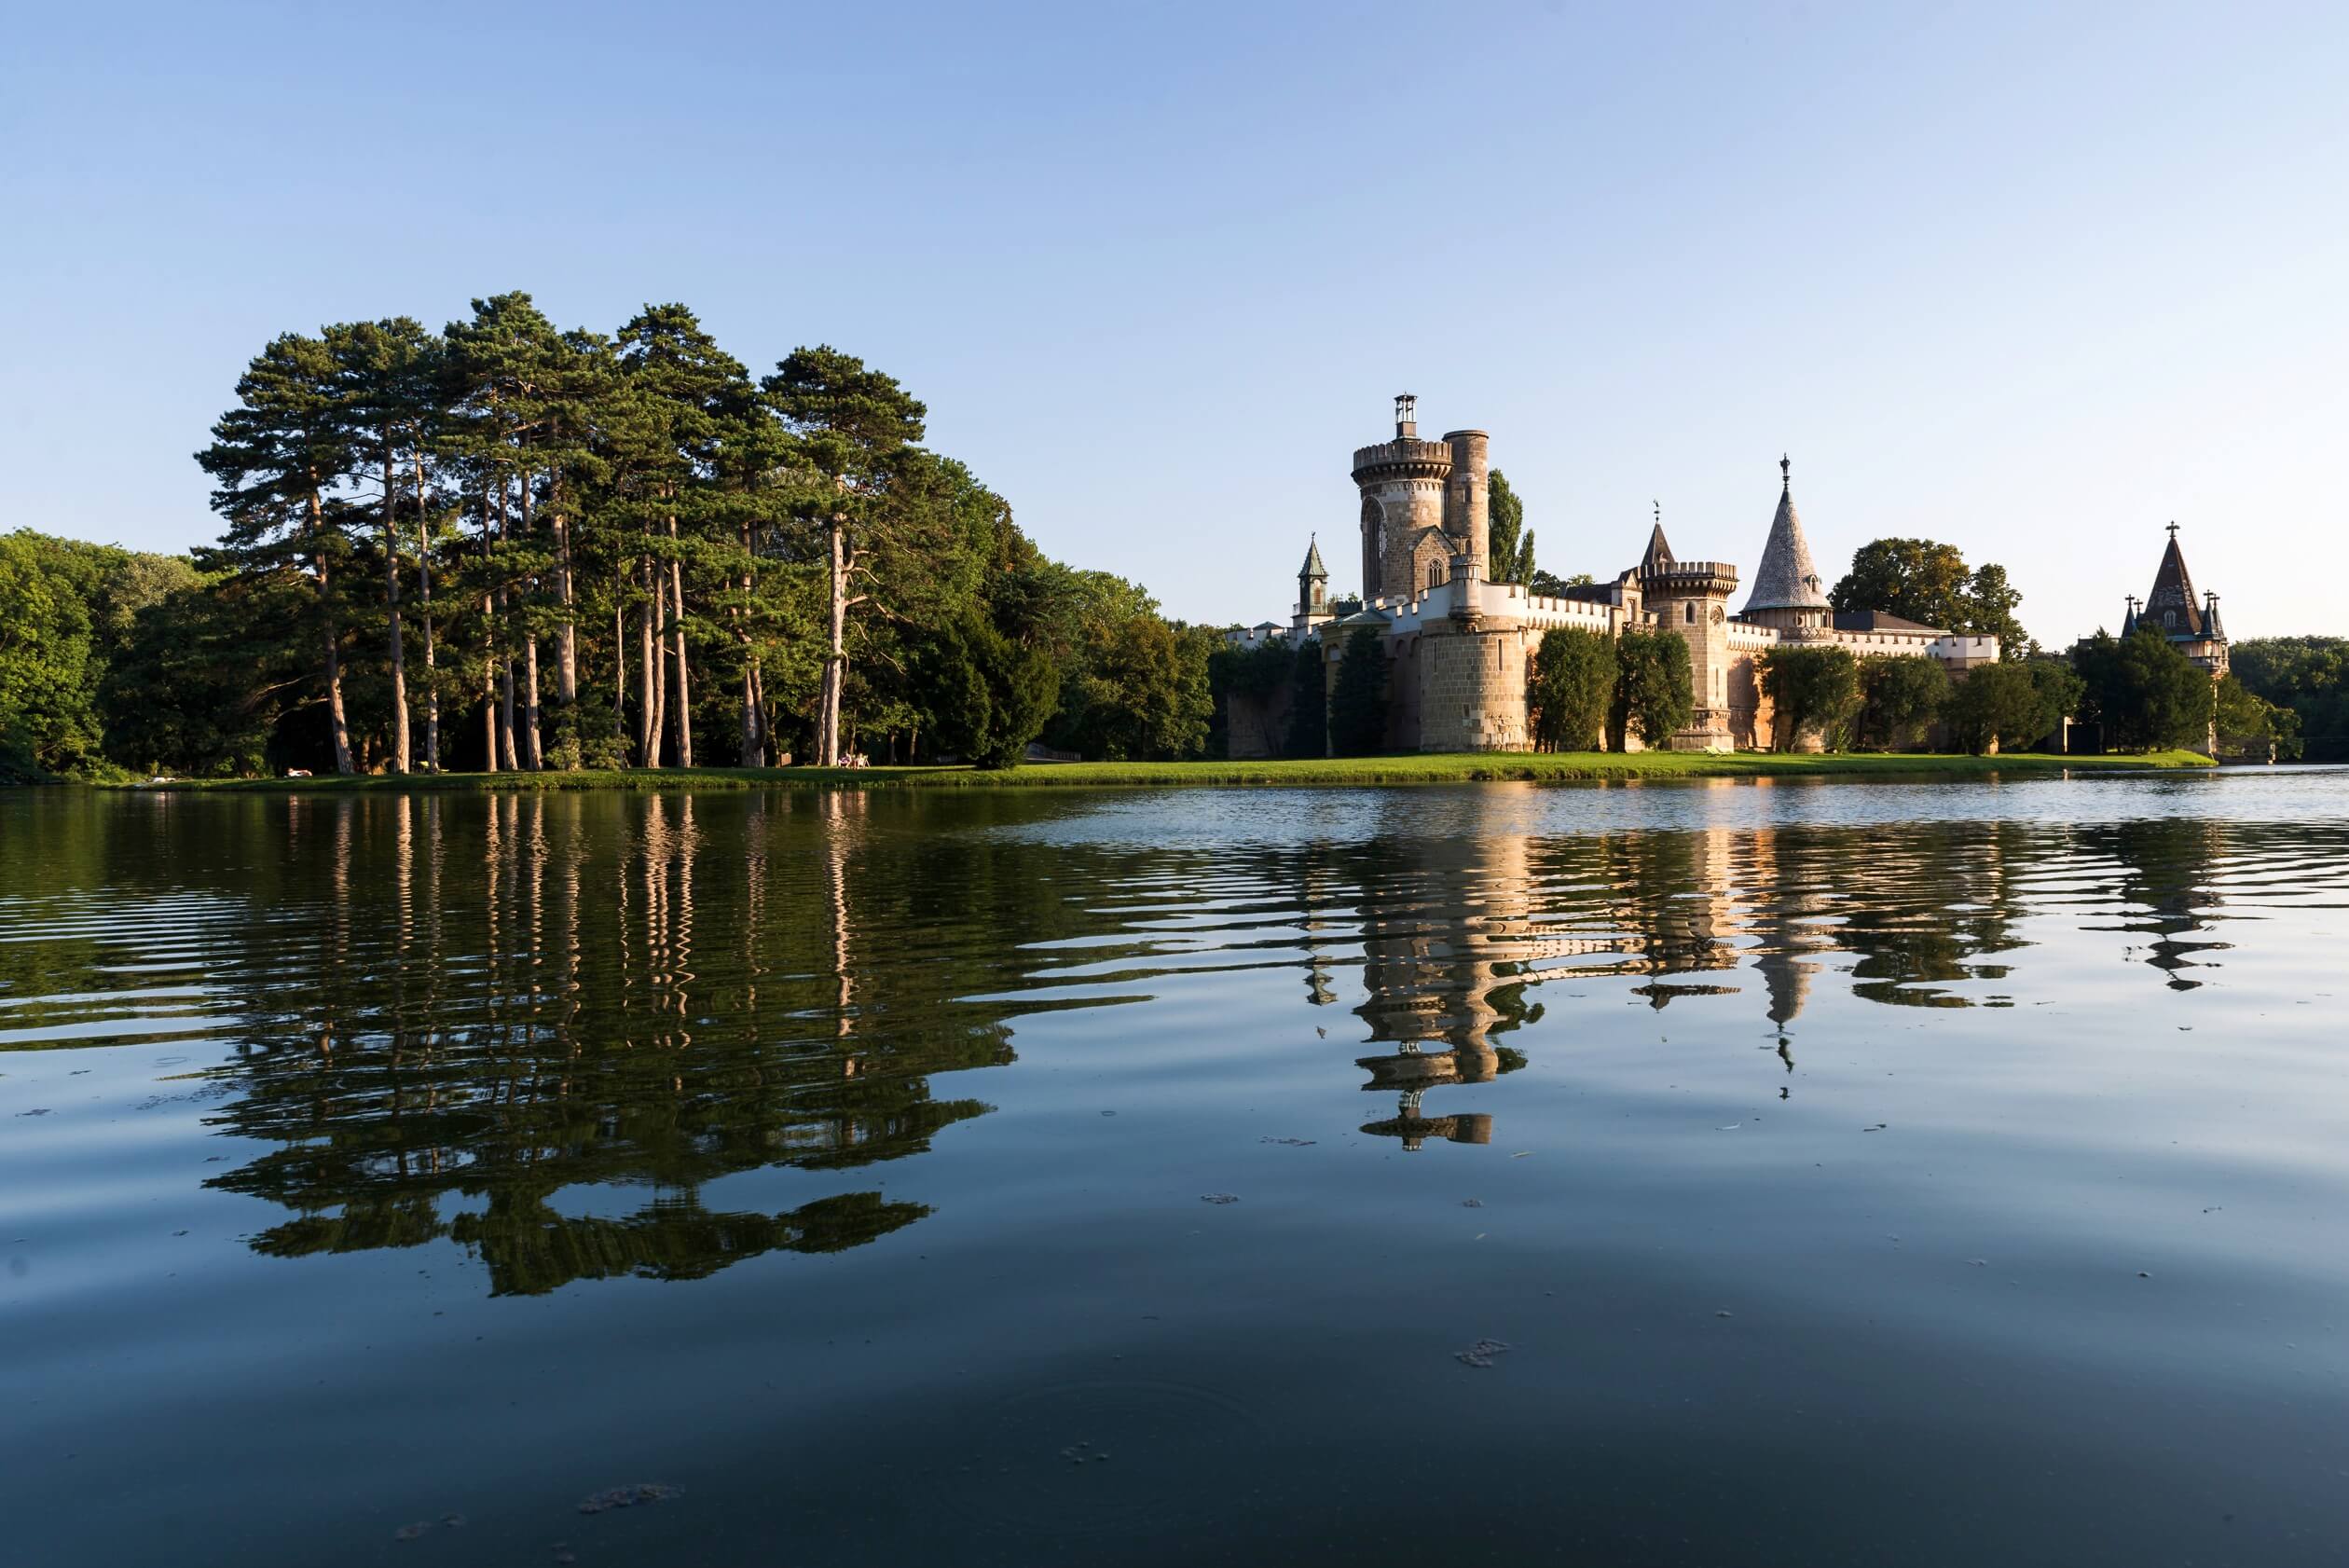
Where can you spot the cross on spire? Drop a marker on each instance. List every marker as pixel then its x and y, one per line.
pixel 2172 532
pixel 1786 471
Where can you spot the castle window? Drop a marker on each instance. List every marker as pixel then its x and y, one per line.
pixel 2169 617
pixel 1691 608
pixel 1435 575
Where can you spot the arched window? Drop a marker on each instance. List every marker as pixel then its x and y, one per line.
pixel 2169 617
pixel 1435 575
pixel 1691 608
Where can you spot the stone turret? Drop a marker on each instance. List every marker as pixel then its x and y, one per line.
pixel 1312 593
pixel 1468 499
pixel 1692 597
pixel 1787 592
pixel 1405 550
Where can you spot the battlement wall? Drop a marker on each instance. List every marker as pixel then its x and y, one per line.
pixel 1406 455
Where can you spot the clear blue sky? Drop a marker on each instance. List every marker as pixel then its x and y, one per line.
pixel 2033 279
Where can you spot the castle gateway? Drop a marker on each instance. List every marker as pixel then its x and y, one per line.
pixel 1458 645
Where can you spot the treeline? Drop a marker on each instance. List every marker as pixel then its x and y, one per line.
pixel 2308 679
pixel 510 545
pixel 2140 691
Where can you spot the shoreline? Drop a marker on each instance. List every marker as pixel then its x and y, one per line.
pixel 1445 768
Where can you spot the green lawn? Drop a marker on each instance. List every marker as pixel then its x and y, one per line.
pixel 1445 769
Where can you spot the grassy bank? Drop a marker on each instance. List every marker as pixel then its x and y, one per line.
pixel 1446 769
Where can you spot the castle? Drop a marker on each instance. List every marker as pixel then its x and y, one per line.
pixel 1458 645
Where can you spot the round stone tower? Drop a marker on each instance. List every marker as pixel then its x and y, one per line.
pixel 1692 597
pixel 1469 501
pixel 1405 549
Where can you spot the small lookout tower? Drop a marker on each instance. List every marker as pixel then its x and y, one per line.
pixel 1312 594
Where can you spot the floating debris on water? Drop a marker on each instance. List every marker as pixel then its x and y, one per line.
pixel 1219 1197
pixel 1293 1142
pixel 36 1110
pixel 1877 1128
pixel 1731 1128
pixel 1481 1353
pixel 1720 1314
pixel 629 1496
pixel 410 1531
pixel 454 1522
pixel 1520 1154
pixel 1472 1202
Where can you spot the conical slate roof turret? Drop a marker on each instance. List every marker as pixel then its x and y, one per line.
pixel 1312 567
pixel 1786 579
pixel 2210 622
pixel 2172 605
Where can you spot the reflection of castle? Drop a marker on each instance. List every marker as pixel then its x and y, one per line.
pixel 1458 645
pixel 1465 932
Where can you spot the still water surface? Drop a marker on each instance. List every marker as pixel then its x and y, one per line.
pixel 1742 1173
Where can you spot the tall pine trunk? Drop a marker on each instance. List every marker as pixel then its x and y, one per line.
pixel 488 688
pixel 836 652
pixel 533 755
pixel 424 590
pixel 567 646
pixel 648 671
pixel 507 761
pixel 334 637
pixel 660 669
pixel 531 748
pixel 400 755
pixel 683 713
pixel 753 719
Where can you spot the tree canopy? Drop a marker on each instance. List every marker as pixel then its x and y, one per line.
pixel 1928 581
pixel 514 544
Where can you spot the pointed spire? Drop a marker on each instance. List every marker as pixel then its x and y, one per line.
pixel 1786 579
pixel 1312 567
pixel 1659 553
pixel 2173 605
pixel 2211 628
pixel 2128 621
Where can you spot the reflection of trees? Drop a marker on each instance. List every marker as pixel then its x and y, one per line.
pixel 611 999
pixel 2167 873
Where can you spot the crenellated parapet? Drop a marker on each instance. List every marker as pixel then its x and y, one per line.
pixel 1690 580
pixel 1403 457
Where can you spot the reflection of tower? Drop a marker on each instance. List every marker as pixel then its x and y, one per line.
pixel 1780 934
pixel 1412 1072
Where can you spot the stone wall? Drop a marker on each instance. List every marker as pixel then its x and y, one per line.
pixel 1472 689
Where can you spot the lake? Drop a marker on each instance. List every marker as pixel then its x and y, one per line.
pixel 1737 1172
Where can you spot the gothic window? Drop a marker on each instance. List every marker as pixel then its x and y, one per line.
pixel 1435 575
pixel 1691 616
pixel 2169 617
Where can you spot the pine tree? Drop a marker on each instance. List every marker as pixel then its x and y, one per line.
pixel 854 428
pixel 277 456
pixel 388 395
pixel 690 397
